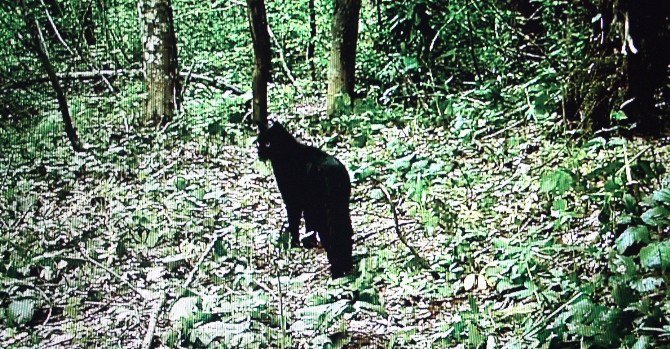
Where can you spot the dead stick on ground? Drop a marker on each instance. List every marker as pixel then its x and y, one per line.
pixel 424 263
pixel 112 272
pixel 153 320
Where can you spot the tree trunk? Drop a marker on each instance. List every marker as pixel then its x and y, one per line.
pixel 312 39
pixel 160 61
pixel 39 47
pixel 89 25
pixel 592 87
pixel 263 61
pixel 646 42
pixel 342 69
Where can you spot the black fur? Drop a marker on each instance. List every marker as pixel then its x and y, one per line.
pixel 313 185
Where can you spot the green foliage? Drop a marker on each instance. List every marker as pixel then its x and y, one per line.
pixel 540 235
pixel 634 282
pixel 20 311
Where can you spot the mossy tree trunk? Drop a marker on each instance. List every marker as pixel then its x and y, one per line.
pixel 342 68
pixel 262 61
pixel 160 62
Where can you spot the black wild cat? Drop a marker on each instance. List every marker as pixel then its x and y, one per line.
pixel 313 185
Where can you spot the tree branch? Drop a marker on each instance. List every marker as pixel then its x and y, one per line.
pixel 216 81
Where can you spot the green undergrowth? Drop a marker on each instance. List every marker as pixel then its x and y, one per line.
pixel 540 236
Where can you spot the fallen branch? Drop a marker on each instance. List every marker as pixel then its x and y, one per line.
pixel 503 130
pixel 424 263
pixel 112 272
pixel 363 237
pixel 153 320
pixel 216 82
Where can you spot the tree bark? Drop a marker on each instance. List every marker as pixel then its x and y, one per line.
pixel 39 47
pixel 342 68
pixel 160 61
pixel 263 61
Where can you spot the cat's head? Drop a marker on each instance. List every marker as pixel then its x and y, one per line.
pixel 274 142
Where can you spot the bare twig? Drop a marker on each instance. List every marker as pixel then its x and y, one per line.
pixel 424 263
pixel 146 343
pixel 187 78
pixel 53 26
pixel 377 231
pixel 204 254
pixel 538 326
pixel 633 159
pixel 279 288
pixel 503 130
pixel 113 273
pixel 287 70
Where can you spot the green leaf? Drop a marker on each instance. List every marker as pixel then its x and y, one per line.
pixel 180 183
pixel 403 163
pixel 183 308
pixel 560 205
pixel 230 333
pixel 662 195
pixel 22 310
pixel 623 295
pixel 656 216
pixel 656 255
pixel 632 235
pixel 475 337
pixel 618 115
pixel 647 284
pixel 365 172
pixel 642 343
pixel 629 202
pixel 322 316
pixel 558 181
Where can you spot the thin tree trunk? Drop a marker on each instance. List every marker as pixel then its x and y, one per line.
pixel 532 22
pixel 312 39
pixel 263 61
pixel 160 60
pixel 647 58
pixel 89 25
pixel 40 50
pixel 342 68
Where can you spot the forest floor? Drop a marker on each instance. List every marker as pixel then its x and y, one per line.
pixel 97 238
